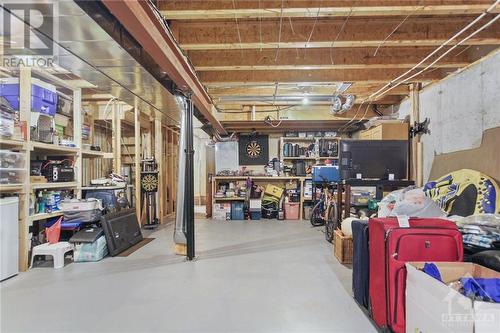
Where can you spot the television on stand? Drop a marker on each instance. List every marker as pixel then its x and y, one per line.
pixel 373 159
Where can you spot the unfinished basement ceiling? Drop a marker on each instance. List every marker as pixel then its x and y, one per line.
pixel 91 58
pixel 268 50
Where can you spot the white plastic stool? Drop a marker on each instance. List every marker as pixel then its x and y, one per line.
pixel 57 251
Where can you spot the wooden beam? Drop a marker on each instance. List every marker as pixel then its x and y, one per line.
pixel 186 5
pixel 357 88
pixel 158 153
pixel 369 75
pixel 142 23
pixel 322 58
pixel 366 11
pixel 286 125
pixel 358 32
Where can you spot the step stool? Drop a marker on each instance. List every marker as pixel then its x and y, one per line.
pixel 57 251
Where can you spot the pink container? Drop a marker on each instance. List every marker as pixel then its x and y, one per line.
pixel 292 210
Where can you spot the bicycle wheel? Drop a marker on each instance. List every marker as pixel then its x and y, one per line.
pixel 317 219
pixel 331 222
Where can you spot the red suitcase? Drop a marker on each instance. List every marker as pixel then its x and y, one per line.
pixel 391 246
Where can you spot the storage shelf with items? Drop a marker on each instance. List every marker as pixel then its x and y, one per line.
pixel 292 187
pixel 298 154
pixel 40 112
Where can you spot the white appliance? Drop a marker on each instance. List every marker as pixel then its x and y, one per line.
pixel 9 237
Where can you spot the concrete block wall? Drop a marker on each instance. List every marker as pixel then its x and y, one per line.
pixel 460 108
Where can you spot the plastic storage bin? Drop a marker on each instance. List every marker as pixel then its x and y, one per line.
pixel 43 95
pixel 256 215
pixel 292 210
pixel 11 160
pixel 12 169
pixel 325 173
pixel 237 212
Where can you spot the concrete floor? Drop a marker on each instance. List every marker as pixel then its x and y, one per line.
pixel 255 276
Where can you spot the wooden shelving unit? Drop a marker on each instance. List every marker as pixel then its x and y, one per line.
pixel 260 179
pixel 61 185
pixel 11 144
pixel 40 216
pixel 51 149
pixel 93 164
pixel 11 187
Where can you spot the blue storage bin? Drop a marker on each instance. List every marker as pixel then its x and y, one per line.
pixel 256 215
pixel 325 173
pixel 237 211
pixel 43 95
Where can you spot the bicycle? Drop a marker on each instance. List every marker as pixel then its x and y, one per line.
pixel 325 213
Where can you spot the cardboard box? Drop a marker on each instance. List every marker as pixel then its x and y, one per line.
pixel 433 306
pixel 222 211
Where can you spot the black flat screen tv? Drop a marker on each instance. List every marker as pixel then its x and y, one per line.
pixel 373 159
pixel 121 230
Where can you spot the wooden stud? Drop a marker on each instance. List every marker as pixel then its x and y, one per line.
pixel 137 162
pixel 25 116
pixel 158 149
pixel 77 137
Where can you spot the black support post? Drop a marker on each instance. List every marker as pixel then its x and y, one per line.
pixel 189 181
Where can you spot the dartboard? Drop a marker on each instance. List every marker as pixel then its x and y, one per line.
pixel 149 182
pixel 254 149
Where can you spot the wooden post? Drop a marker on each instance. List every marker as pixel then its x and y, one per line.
pixel 77 137
pixel 137 161
pixel 159 159
pixel 25 116
pixel 117 137
pixel 416 172
pixel 171 171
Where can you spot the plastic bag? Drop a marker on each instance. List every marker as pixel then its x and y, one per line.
pixel 410 202
pixel 54 232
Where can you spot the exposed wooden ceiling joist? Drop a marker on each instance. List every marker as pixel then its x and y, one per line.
pixel 379 9
pixel 322 58
pixel 358 32
pixel 369 75
pixel 287 125
pixel 284 90
pixel 271 4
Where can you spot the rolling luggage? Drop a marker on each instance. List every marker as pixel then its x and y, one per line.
pixel 360 262
pixel 393 242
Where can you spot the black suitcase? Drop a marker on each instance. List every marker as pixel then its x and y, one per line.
pixel 360 262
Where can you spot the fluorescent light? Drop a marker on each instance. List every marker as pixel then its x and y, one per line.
pixel 305 100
